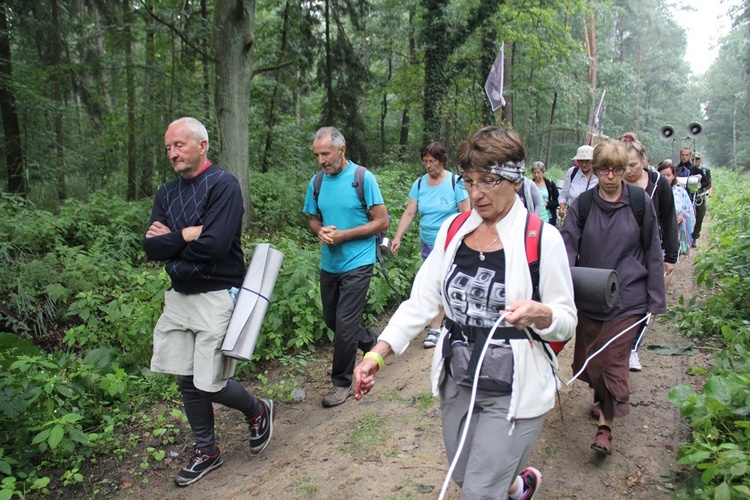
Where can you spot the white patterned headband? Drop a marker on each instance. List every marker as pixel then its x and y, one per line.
pixel 511 170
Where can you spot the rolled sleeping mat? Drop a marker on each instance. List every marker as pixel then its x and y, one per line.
pixel 595 286
pixel 252 301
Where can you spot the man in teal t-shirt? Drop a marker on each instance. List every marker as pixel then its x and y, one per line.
pixel 342 225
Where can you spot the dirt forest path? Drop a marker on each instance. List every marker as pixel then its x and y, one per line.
pixel 390 444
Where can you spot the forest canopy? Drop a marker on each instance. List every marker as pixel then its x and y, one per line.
pixel 88 86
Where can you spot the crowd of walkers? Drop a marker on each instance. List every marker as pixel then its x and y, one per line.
pixel 495 287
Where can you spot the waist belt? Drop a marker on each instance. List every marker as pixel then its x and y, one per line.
pixel 478 335
pixel 474 333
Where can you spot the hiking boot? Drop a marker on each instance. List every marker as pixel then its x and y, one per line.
pixel 431 339
pixel 337 396
pixel 198 466
pixel 635 363
pixel 532 480
pixel 261 427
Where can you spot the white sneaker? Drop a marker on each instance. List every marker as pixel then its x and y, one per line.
pixel 431 339
pixel 635 363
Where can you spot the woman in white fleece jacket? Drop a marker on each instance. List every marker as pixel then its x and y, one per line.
pixel 479 275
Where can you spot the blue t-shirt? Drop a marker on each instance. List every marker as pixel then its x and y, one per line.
pixel 435 204
pixel 339 206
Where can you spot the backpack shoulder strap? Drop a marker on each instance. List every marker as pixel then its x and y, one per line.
pixel 317 182
pixel 654 178
pixel 455 226
pixel 637 203
pixel 584 206
pixel 359 185
pixel 533 244
pixel 573 175
pixel 453 180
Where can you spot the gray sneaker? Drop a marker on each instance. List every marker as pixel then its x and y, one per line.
pixel 337 396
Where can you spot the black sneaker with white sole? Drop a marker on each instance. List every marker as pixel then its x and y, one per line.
pixel 198 466
pixel 261 427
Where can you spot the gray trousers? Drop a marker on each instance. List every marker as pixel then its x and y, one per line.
pixel 495 451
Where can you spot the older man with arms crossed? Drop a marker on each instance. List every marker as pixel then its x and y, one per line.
pixel 195 226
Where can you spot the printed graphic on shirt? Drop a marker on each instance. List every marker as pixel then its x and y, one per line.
pixel 475 289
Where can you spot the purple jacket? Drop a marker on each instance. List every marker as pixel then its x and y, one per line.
pixel 611 239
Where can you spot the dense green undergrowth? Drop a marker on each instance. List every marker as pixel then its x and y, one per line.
pixel 79 302
pixel 719 414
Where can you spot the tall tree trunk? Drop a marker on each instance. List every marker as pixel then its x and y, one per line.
pixel 149 120
pixel 130 86
pixel 328 113
pixel 486 60
pixel 549 133
pixel 436 55
pixel 589 31
pixel 403 137
pixel 638 84
pixel 234 42
pixel 206 63
pixel 13 150
pixel 57 97
pixel 507 110
pixel 102 56
pixel 384 105
pixel 265 162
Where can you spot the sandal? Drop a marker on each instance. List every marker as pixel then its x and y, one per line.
pixel 603 441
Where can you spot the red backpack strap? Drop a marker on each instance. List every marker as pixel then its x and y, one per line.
pixel 533 244
pixel 455 226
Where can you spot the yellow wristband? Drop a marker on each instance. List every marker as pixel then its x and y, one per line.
pixel 377 357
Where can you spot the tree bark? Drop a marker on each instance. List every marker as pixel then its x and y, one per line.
pixel 265 162
pixel 549 133
pixel 507 110
pixel 130 89
pixel 589 31
pixel 441 40
pixel 149 120
pixel 13 150
pixel 403 137
pixel 234 43
pixel 57 97
pixel 328 114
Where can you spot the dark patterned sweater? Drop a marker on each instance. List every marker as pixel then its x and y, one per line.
pixel 214 261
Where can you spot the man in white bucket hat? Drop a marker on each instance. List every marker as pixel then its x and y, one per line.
pixel 578 179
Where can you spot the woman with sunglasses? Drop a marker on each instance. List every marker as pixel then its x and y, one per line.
pixel 622 233
pixel 479 274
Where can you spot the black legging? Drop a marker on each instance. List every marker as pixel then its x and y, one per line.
pixel 200 411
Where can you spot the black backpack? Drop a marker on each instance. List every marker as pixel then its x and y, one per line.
pixel 637 204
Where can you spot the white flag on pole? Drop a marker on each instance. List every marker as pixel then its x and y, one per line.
pixel 598 113
pixel 494 84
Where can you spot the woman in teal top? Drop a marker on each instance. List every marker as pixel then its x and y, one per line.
pixel 435 196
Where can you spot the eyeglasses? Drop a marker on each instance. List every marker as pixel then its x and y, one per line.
pixel 607 171
pixel 482 186
pixel 431 162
